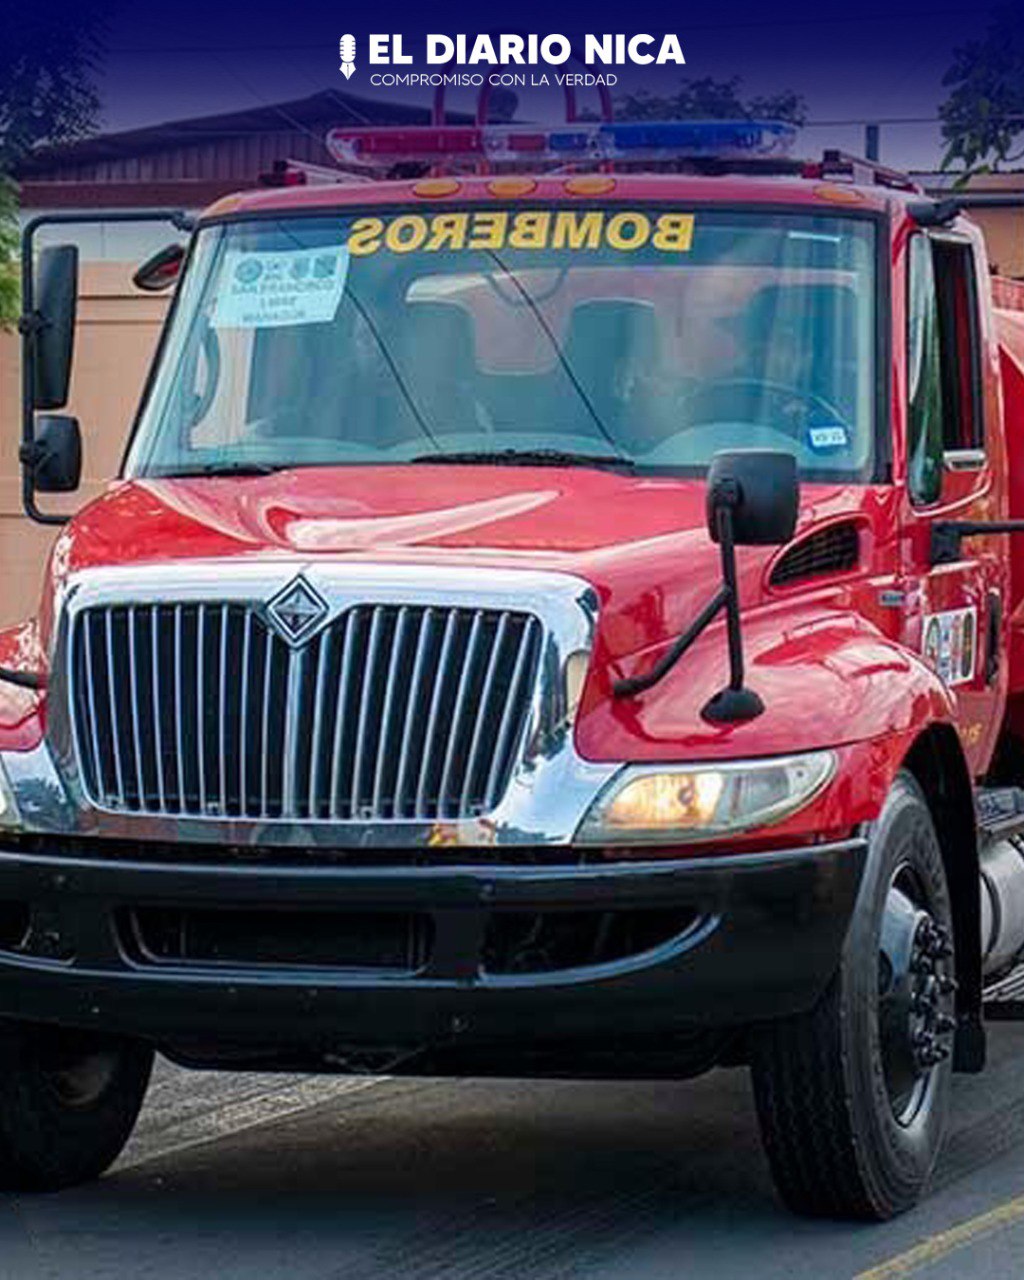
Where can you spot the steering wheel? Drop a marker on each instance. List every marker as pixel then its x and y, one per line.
pixel 516 297
pixel 803 394
pixel 196 402
pixel 285 423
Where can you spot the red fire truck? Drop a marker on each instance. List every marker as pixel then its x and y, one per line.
pixel 555 617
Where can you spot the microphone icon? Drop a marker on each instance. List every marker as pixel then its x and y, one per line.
pixel 347 52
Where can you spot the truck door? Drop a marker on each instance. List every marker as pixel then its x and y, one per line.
pixel 955 609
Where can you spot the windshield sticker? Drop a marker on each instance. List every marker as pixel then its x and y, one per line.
pixel 624 231
pixel 824 439
pixel 293 287
pixel 950 644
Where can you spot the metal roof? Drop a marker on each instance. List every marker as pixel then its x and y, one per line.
pixel 234 146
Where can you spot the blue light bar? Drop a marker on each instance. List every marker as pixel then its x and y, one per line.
pixel 573 142
pixel 720 139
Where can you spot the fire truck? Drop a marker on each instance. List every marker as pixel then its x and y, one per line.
pixel 558 615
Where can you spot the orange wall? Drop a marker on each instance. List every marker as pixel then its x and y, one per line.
pixel 117 331
pixel 1004 238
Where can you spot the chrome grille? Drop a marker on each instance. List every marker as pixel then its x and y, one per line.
pixel 391 712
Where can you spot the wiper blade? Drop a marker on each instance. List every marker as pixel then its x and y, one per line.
pixel 218 469
pixel 530 458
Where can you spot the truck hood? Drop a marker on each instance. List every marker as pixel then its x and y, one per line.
pixel 641 543
pixel 815 653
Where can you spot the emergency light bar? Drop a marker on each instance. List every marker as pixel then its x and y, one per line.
pixel 656 140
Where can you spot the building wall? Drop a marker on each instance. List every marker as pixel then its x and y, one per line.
pixel 1003 227
pixel 117 331
pixel 1004 238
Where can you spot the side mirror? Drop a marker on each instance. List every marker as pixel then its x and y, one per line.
pixel 761 489
pixel 161 270
pixel 55 295
pixel 753 499
pixel 54 458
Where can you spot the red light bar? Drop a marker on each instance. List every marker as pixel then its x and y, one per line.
pixel 355 146
pixel 527 141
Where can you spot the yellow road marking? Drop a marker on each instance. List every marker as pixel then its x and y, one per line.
pixel 946 1242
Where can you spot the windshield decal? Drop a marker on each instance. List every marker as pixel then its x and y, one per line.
pixel 622 231
pixel 832 436
pixel 274 288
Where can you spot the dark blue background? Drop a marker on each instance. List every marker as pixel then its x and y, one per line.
pixel 853 61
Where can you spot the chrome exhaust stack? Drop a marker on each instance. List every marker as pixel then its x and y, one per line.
pixel 1002 903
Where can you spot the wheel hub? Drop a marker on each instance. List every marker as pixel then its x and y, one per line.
pixel 915 1000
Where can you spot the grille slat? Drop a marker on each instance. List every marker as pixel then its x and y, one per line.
pixel 94 772
pixel 488 691
pixel 455 726
pixel 293 685
pixel 508 727
pixel 391 712
pixel 405 753
pixel 115 719
pixel 323 657
pixel 156 709
pixel 423 805
pixel 367 688
pixel 380 800
pixel 244 737
pixel 222 719
pixel 133 677
pixel 179 719
pixel 200 700
pixel 264 756
pixel 344 683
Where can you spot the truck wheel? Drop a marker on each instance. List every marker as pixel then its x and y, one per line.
pixel 853 1096
pixel 68 1103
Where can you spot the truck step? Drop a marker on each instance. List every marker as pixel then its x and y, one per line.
pixel 1000 810
pixel 1004 1000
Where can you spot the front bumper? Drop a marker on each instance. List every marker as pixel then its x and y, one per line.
pixel 759 936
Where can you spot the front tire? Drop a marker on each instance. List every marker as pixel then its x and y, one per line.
pixel 68 1103
pixel 853 1097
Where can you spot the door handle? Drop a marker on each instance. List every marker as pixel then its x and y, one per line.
pixel 992 628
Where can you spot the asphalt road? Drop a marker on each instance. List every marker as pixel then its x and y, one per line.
pixel 264 1178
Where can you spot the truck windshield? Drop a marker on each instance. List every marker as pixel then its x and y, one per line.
pixel 647 337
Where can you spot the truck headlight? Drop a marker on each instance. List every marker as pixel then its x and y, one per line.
pixel 668 804
pixel 9 816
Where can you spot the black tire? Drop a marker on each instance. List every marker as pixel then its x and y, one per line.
pixel 68 1103
pixel 853 1097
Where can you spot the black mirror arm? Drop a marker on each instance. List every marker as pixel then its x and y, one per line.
pixel 23 679
pixel 632 685
pixel 29 454
pixel 725 500
pixel 946 535
pixel 735 702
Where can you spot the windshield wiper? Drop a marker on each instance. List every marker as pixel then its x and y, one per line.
pixel 221 469
pixel 530 458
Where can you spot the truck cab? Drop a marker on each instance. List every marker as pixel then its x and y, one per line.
pixel 550 623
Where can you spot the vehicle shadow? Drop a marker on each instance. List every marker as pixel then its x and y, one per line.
pixel 494 1179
